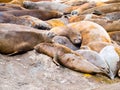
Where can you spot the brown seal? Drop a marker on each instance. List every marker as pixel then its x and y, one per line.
pixel 112 1
pixel 82 8
pixel 115 36
pixel 108 25
pixel 24 20
pixel 105 8
pixel 70 33
pixel 45 5
pixel 90 32
pixel 98 45
pixel 94 58
pixel 5 1
pixel 8 7
pixel 41 14
pixel 17 38
pixel 67 57
pixel 65 41
pixel 58 21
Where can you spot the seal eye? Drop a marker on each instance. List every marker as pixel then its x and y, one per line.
pixel 74 12
pixel 51 34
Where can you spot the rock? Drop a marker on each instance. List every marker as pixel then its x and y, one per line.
pixel 37 72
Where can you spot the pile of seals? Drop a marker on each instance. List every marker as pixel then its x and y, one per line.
pixel 81 35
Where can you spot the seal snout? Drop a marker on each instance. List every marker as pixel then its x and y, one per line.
pixel 51 34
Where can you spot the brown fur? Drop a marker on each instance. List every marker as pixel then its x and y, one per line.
pixel 90 32
pixel 115 36
pixel 8 7
pixel 113 1
pixel 97 46
pixel 76 18
pixel 83 7
pixel 70 9
pixel 48 6
pixel 19 2
pixel 105 9
pixel 16 38
pixel 69 33
pixel 58 21
pixel 67 57
pixel 5 1
pixel 109 26
pixel 24 20
pixel 41 14
pixel 73 2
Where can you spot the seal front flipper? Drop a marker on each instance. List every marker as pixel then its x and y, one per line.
pixel 55 59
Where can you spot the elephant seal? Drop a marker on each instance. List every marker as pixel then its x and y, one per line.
pixel 67 57
pixel 33 22
pixel 76 63
pixel 104 8
pixel 24 20
pixel 112 59
pixel 5 1
pixel 41 14
pixel 113 16
pixel 94 58
pixel 58 21
pixel 68 32
pixel 8 7
pixel 18 39
pixel 90 32
pixel 83 7
pixel 109 26
pixel 115 35
pixel 112 1
pixel 65 41
pixel 98 45
pixel 11 6
pixel 45 5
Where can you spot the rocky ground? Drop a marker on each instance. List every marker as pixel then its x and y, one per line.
pixel 34 71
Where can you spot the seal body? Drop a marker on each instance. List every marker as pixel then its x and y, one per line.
pixel 90 32
pixel 45 5
pixel 41 14
pixel 65 41
pixel 20 40
pixel 105 8
pixel 24 20
pixel 70 33
pixel 95 59
pixel 115 35
pixel 67 57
